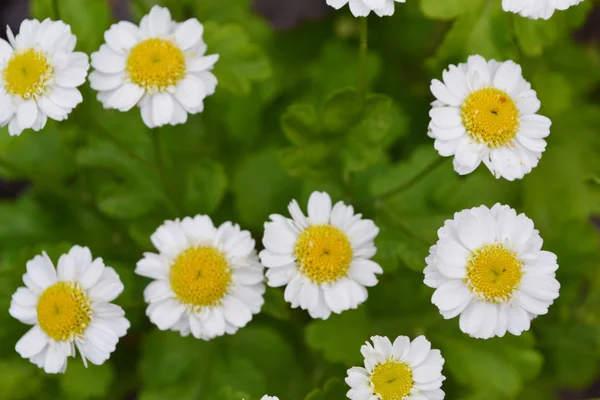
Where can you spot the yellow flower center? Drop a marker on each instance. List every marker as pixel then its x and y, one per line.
pixel 491 117
pixel 64 310
pixel 392 380
pixel 323 253
pixel 156 64
pixel 27 74
pixel 494 273
pixel 200 276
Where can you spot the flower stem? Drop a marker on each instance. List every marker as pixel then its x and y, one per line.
pixel 438 161
pixel 160 165
pixel 362 73
pixel 56 9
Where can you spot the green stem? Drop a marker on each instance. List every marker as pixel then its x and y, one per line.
pixel 160 165
pixel 56 9
pixel 362 74
pixel 438 161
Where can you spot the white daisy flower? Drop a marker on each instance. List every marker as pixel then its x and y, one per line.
pixel 323 258
pixel 207 280
pixel 485 111
pixel 362 8
pixel 70 308
pixel 159 66
pixel 266 397
pixel 39 75
pixel 536 9
pixel 403 370
pixel 488 266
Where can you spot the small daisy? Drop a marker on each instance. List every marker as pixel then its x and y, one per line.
pixel 70 308
pixel 323 258
pixel 403 370
pixel 39 75
pixel 485 111
pixel 207 280
pixel 536 9
pixel 488 266
pixel 266 397
pixel 362 8
pixel 159 66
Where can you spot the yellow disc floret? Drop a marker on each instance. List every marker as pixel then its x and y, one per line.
pixel 64 310
pixel 494 273
pixel 323 253
pixel 156 64
pixel 200 276
pixel 491 117
pixel 27 74
pixel 392 380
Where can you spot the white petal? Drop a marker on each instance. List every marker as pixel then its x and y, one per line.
pixel 6 50
pixel 441 92
pixel 108 288
pixel 358 8
pixel 188 33
pixel 121 36
pixel 507 76
pixel 202 63
pixel 159 21
pixel 166 313
pixel 32 342
pixel 162 107
pixel 27 113
pixel 41 271
pixel 126 97
pixel 107 61
pixel 419 349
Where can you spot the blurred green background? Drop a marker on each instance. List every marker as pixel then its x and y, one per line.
pixel 284 122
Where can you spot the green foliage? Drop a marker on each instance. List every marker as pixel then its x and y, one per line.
pixel 291 115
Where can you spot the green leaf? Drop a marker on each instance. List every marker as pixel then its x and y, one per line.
pixel 495 367
pixel 205 188
pixel 261 187
pixel 88 19
pixel 534 35
pixel 400 174
pixel 444 9
pixel 19 380
pixel 300 124
pixel 333 389
pixel 240 62
pixel 339 338
pixel 336 68
pixel 86 383
pixel 484 29
pixel 169 359
pixel 275 305
pixel 554 91
pixel 342 110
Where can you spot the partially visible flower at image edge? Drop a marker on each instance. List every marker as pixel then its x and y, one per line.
pixel 537 9
pixel 70 308
pixel 39 75
pixel 207 281
pixel 159 66
pixel 488 266
pixel 486 112
pixel 362 8
pixel 323 259
pixel 400 370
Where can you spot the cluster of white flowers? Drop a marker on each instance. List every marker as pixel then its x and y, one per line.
pixel 488 266
pixel 160 66
pixel 534 9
